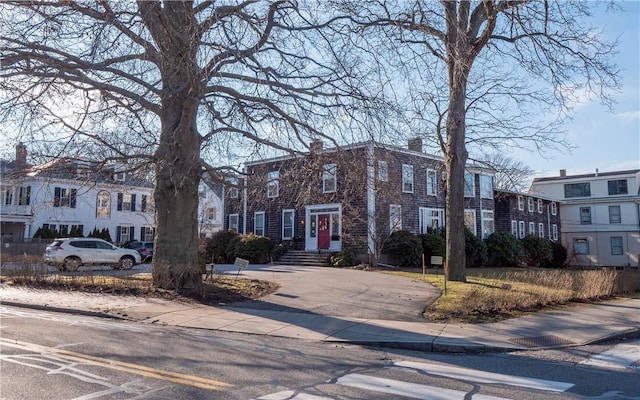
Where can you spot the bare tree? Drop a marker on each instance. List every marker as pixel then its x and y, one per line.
pixel 171 84
pixel 475 73
pixel 511 174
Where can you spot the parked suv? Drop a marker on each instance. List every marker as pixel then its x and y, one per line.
pixel 68 254
pixel 144 248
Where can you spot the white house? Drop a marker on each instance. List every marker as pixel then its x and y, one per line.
pixel 210 207
pixel 600 215
pixel 66 195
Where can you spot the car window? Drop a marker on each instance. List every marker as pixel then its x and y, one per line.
pixel 83 244
pixel 104 246
pixel 56 243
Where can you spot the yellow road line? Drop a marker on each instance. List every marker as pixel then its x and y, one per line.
pixel 155 373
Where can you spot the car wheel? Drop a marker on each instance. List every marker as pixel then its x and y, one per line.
pixel 61 267
pixel 127 262
pixel 72 264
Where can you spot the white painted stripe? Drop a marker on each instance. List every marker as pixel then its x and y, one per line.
pixel 471 375
pixel 619 357
pixel 407 389
pixel 291 395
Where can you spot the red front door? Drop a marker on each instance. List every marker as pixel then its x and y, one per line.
pixel 324 234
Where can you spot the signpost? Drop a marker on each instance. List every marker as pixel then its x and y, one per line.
pixel 438 260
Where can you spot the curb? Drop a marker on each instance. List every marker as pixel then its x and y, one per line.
pixel 62 310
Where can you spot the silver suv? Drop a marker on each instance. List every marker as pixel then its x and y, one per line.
pixel 68 254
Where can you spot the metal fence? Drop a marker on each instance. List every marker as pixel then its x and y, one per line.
pixel 30 247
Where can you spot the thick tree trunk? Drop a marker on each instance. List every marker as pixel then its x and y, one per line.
pixel 456 158
pixel 178 169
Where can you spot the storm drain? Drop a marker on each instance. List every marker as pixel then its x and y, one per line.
pixel 541 341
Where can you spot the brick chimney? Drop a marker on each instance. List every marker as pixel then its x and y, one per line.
pixel 415 144
pixel 316 146
pixel 21 157
pixel 563 172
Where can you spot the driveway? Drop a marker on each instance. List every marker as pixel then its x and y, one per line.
pixel 340 292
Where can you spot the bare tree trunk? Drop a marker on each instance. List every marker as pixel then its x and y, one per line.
pixel 456 157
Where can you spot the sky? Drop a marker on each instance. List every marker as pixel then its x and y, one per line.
pixel 605 140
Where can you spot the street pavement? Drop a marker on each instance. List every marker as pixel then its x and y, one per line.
pixel 349 306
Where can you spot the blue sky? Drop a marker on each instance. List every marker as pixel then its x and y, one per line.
pixel 604 139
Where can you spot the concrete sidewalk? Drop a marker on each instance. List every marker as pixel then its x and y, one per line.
pixel 568 326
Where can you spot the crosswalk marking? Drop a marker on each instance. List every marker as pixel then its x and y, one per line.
pixel 485 377
pixel 406 389
pixel 291 395
pixel 619 357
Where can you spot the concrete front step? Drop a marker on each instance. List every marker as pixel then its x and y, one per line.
pixel 304 258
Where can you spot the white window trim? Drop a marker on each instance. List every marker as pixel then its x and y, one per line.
pixel 474 229
pixel 255 223
pixel 383 171
pixel 540 229
pixel 407 172
pixel 554 208
pixel 530 204
pixel 393 226
pixel 521 232
pixel 489 194
pixel 237 224
pixel 473 185
pixel 514 228
pixel 540 206
pixel 554 231
pixel 484 218
pixel 293 224
pixel 532 228
pixel 520 203
pixel 273 184
pixel 329 173
pixel 421 218
pixel 432 190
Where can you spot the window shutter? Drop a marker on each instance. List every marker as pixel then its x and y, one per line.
pixel 120 200
pixel 56 196
pixel 133 202
pixel 143 204
pixel 72 201
pixel 131 233
pixel 28 196
pixel 118 233
pixel 142 233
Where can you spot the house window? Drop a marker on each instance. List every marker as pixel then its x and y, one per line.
pixel 532 228
pixel 431 219
pixel 329 178
pixel 233 188
pixel 64 230
pixel 614 215
pixel 288 218
pixel 124 233
pixel 147 234
pixel 469 185
pixel 24 195
pixel 581 246
pixel 470 220
pixel 103 204
pixel 618 187
pixel 383 171
pixel 554 232
pixel 520 203
pixel 541 230
pixel 617 248
pixel 77 230
pixel 585 215
pixel 273 186
pixel 8 196
pixel 486 186
pixel 233 222
pixel 407 178
pixel 514 228
pixel 539 206
pixel 211 213
pixel 126 202
pixel 143 203
pixel 487 224
pixel 395 217
pixel 554 208
pixel 432 182
pixel 521 232
pixel 258 223
pixel 530 204
pixel 64 197
pixel 577 190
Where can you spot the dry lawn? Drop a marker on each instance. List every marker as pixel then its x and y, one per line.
pixel 495 294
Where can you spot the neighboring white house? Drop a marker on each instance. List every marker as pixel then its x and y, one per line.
pixel 210 207
pixel 600 215
pixel 66 195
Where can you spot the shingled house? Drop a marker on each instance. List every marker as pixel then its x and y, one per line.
pixel 351 197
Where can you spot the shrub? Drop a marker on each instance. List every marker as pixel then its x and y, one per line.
pixel 216 249
pixel 404 247
pixel 433 245
pixel 345 258
pixel 559 255
pixel 537 251
pixel 252 247
pixel 504 250
pixel 475 249
pixel 278 251
pixel 46 233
